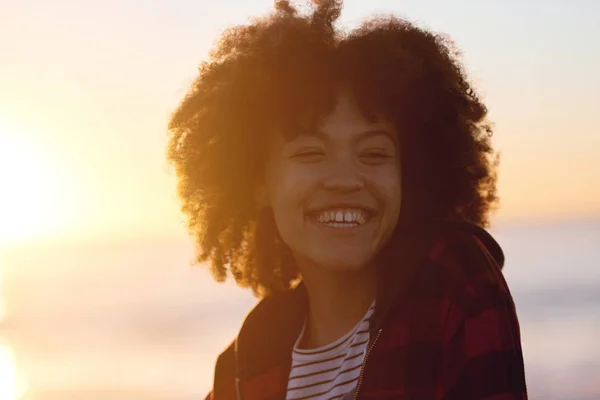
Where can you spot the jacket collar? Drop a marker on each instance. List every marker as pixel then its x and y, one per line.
pixel 269 332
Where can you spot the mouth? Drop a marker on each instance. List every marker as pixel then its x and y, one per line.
pixel 342 218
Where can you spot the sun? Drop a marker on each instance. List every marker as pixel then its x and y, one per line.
pixel 31 193
pixel 13 385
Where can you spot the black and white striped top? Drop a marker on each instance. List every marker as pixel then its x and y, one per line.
pixel 331 371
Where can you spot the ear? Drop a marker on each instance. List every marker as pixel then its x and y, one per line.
pixel 260 195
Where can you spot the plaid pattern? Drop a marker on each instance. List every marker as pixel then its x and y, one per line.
pixel 453 334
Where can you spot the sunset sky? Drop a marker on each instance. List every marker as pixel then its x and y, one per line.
pixel 87 87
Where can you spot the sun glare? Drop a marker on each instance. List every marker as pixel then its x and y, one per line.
pixel 11 387
pixel 30 191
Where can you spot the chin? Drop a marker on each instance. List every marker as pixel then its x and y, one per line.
pixel 348 263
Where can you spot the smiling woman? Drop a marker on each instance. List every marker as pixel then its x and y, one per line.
pixel 346 178
pixel 32 203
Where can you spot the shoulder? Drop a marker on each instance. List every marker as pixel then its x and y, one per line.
pixel 462 269
pixel 469 258
pixel 468 263
pixel 457 271
pixel 480 334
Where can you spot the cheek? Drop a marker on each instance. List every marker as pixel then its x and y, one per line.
pixel 389 185
pixel 288 189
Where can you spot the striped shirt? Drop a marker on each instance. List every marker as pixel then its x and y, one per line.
pixel 331 371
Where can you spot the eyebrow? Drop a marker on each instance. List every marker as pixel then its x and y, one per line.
pixel 362 136
pixel 379 132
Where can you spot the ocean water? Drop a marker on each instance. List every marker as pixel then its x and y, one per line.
pixel 136 321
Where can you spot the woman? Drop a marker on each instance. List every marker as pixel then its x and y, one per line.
pixel 347 178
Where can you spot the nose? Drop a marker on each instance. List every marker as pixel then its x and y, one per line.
pixel 344 176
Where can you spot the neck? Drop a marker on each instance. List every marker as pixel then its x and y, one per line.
pixel 337 302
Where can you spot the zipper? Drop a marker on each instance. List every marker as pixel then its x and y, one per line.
pixel 362 369
pixel 238 389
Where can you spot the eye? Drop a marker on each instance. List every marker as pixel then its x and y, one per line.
pixel 311 154
pixel 376 155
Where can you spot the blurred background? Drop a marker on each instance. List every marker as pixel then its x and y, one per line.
pixel 97 296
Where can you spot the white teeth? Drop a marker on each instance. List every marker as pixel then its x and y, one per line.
pixel 342 218
pixel 348 217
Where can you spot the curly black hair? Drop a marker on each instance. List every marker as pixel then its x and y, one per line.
pixel 284 71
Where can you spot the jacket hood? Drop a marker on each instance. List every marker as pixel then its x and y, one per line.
pixel 486 239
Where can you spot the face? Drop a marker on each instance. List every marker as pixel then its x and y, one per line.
pixel 335 193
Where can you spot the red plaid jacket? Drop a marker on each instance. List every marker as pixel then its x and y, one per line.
pixel 444 328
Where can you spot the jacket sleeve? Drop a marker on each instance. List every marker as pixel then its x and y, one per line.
pixel 481 347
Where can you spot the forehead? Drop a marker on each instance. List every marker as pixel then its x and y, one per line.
pixel 347 120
